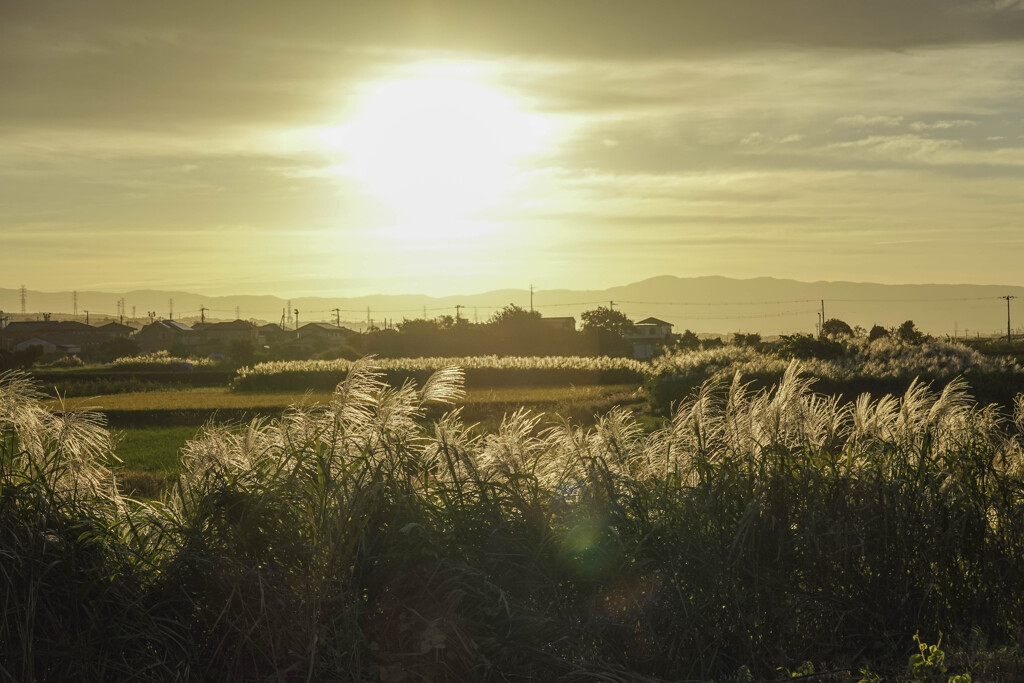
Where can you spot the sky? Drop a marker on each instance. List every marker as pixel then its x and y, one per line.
pixel 349 148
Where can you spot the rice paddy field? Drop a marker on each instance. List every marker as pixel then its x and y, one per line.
pixel 758 530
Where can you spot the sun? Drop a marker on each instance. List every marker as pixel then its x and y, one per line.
pixel 435 149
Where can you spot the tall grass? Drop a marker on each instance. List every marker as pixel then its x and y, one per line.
pixel 358 541
pixel 481 371
pixel 882 366
pixel 158 360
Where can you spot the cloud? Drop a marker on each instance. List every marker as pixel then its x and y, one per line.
pixel 575 28
pixel 942 125
pixel 862 121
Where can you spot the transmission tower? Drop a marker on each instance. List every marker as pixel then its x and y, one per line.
pixel 74 302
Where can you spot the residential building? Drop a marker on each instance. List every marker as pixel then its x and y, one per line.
pixel 647 336
pixel 213 337
pixel 163 335
pixel 325 333
pixel 61 334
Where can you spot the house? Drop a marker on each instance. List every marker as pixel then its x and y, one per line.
pixel 162 335
pixel 47 346
pixel 324 334
pixel 647 335
pixel 562 324
pixel 116 330
pixel 273 335
pixel 59 334
pixel 650 329
pixel 314 337
pixel 219 336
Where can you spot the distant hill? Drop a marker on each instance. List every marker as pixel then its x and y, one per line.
pixel 721 305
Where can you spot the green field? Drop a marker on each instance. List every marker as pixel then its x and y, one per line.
pixel 218 398
pixel 150 434
pixel 150 457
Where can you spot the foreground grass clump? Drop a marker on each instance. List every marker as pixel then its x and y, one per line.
pixel 757 530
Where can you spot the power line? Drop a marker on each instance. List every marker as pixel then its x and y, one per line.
pixel 885 301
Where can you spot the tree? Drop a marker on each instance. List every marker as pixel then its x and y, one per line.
pixel 513 315
pixel 877 332
pixel 751 339
pixel 834 328
pixel 909 334
pixel 688 340
pixel 606 319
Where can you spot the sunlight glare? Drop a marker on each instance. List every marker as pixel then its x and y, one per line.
pixel 435 149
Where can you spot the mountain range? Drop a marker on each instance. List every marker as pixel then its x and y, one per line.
pixel 710 305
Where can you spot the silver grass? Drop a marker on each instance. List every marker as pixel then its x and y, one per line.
pixel 445 386
pixel 355 399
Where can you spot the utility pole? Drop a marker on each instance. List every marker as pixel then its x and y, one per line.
pixel 369 320
pixel 337 317
pixel 458 312
pixel 202 314
pixel 133 314
pixel 823 316
pixel 531 297
pixel 24 295
pixel 170 305
pixel 611 305
pixel 238 312
pixel 74 303
pixel 87 317
pixel 1008 297
pixel 296 320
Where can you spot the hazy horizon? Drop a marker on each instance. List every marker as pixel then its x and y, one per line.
pixel 711 305
pixel 443 147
